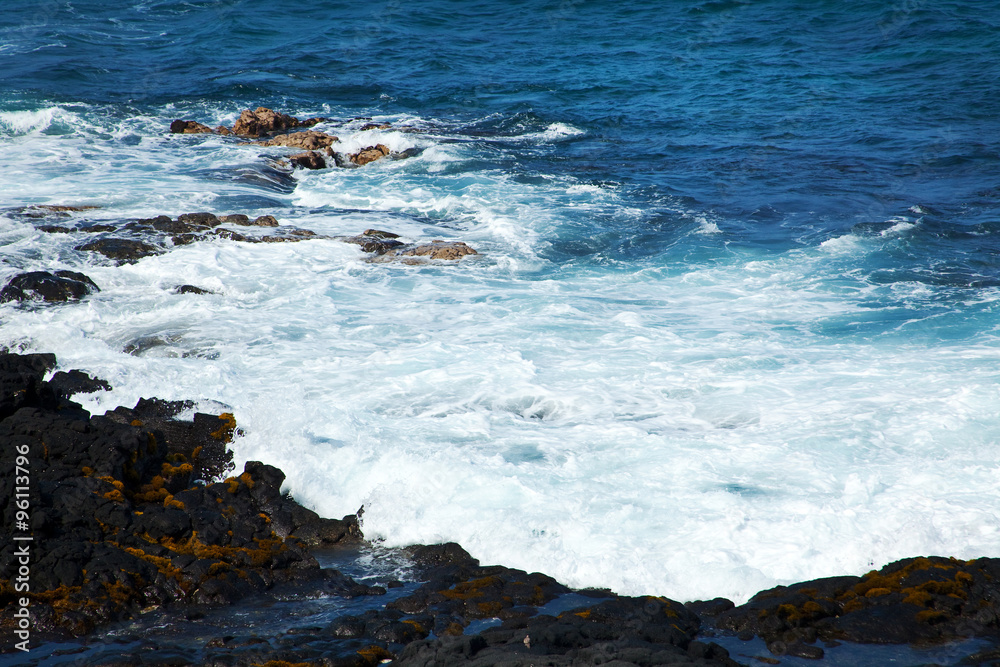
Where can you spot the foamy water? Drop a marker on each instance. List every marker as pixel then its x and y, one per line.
pixel 708 420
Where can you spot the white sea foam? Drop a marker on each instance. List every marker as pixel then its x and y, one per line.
pixel 25 122
pixel 553 133
pixel 687 429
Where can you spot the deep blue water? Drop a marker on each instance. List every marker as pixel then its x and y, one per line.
pixel 790 121
pixel 738 292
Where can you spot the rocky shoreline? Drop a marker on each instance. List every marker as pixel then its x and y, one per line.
pixel 135 515
pixel 132 514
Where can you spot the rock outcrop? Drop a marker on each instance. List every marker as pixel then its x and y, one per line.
pixel 126 513
pixel 916 600
pixel 257 123
pixel 263 121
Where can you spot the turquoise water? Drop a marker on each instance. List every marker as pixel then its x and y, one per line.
pixel 734 318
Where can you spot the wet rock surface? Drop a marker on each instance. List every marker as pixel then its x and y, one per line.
pixel 276 129
pixel 309 140
pixel 252 123
pixel 385 247
pixel 123 251
pixel 129 241
pixel 912 601
pixel 308 160
pixel 45 286
pixel 437 249
pixel 126 514
pixel 369 154
pixel 262 121
pixel 47 210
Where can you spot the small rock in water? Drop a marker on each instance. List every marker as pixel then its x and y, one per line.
pixel 200 219
pixel 375 240
pixel 189 127
pixel 379 234
pixel 265 221
pixel 48 210
pixel 438 249
pixel 369 154
pixel 308 160
pixel 191 289
pixel 235 219
pixel 121 250
pixel 51 287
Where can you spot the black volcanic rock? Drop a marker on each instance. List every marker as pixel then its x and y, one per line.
pixel 72 382
pixel 916 600
pixel 120 250
pixel 46 286
pixel 120 520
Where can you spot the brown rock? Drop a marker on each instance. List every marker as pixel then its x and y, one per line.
pixel 310 140
pixel 308 160
pixel 375 240
pixel 376 126
pixel 235 219
pixel 378 233
pixel 264 221
pixel 265 121
pixel 370 154
pixel 199 219
pixel 438 249
pixel 189 127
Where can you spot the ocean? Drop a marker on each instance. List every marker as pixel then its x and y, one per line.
pixel 735 317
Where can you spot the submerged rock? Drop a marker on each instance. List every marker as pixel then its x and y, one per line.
pixel 46 286
pixel 48 210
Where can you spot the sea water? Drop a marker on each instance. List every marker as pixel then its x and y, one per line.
pixel 734 318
